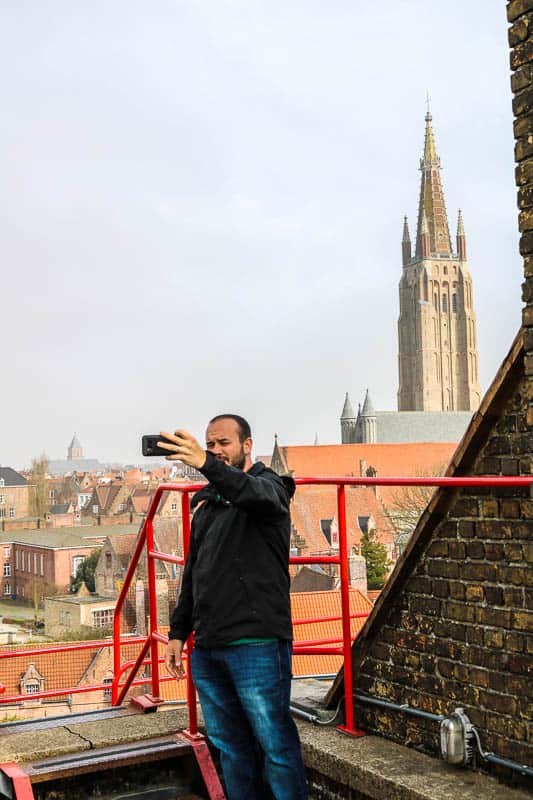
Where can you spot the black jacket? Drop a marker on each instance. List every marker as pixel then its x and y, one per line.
pixel 236 578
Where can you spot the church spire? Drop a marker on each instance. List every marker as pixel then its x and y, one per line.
pixel 406 243
pixel 431 204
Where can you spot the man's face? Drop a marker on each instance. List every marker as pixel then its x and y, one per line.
pixel 222 439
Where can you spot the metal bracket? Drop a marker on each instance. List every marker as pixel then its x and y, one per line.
pixel 147 702
pixel 205 764
pixel 14 783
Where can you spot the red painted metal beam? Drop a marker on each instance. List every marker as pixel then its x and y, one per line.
pixel 19 780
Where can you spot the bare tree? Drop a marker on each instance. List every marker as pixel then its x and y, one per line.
pixel 39 494
pixel 408 503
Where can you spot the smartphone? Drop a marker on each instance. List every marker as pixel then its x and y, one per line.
pixel 149 445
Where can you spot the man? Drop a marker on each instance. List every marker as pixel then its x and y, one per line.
pixel 235 597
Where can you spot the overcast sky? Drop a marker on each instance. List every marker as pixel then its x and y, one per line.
pixel 202 207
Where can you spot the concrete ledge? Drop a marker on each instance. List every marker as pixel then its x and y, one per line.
pixel 368 767
pixel 377 768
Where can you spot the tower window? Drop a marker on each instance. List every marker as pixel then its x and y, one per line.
pixel 445 303
pixel 454 303
pixel 436 301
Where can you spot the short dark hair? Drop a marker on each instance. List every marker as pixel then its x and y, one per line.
pixel 245 432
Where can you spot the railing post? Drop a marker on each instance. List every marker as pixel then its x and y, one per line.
pixel 191 691
pixel 348 726
pixel 152 601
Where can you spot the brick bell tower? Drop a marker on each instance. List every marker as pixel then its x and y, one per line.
pixel 437 341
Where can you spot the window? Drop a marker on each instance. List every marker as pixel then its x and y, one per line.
pixel 103 617
pixel 22 560
pixel 121 507
pixel 76 561
pixel 32 687
pixel 454 303
pixel 7 570
pixel 16 559
pixel 67 619
pixel 2 512
pixel 2 482
pixel 35 563
pixel 325 527
pixel 42 564
pixel 108 560
pixel 445 303
pixel 174 506
pixel 95 509
pixel 2 499
pixel 7 588
pixel 107 692
pixel 61 617
pixel 7 552
pixel 11 512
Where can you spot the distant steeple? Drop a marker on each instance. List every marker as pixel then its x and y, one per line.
pixel 278 462
pixel 75 450
pixel 347 410
pixel 316 442
pixel 368 421
pixel 431 201
pixel 348 422
pixel 406 243
pixel 461 238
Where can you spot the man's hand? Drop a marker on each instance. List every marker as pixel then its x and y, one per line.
pixel 173 661
pixel 183 447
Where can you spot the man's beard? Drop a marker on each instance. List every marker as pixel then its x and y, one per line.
pixel 239 461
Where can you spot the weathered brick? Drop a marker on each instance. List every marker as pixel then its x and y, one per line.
pixel 513 596
pixel 513 552
pixel 527 550
pixel 476 549
pixel 506 424
pixel 438 548
pixel 461 612
pixel 523 149
pixel 430 606
pixel 524 172
pixel 498 617
pixel 523 621
pixel 492 637
pixel 466 507
pixel 494 551
pixel 474 634
pixel 498 703
pixel 494 595
pixel 510 728
pixel 443 569
pixel 466 529
pixel 516 8
pixel 520 664
pixel 457 590
pixel 526 242
pixel 493 529
pixel 522 126
pixel 491 466
pixel 522 54
pixel 457 550
pixel 474 594
pixel 420 585
pixel 510 509
pixel 521 78
pixel 489 507
pixel 479 677
pixel 449 647
pixel 514 642
pixel 478 571
pixel 441 588
pixel 520 30
pixel 525 200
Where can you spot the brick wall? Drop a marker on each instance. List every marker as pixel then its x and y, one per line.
pixel 455 626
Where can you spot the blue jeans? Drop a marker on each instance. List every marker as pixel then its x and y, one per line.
pixel 244 692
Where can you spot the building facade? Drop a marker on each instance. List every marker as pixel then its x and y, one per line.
pixel 437 342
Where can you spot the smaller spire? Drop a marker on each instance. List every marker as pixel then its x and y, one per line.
pixel 461 237
pixel 347 411
pixel 368 407
pixel 316 442
pixel 406 243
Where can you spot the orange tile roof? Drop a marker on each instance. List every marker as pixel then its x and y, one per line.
pixel 309 605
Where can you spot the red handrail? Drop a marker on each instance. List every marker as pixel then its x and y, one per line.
pixel 150 643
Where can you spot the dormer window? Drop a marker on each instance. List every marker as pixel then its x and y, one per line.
pixel 2 482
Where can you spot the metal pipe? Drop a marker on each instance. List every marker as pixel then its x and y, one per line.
pixel 404 709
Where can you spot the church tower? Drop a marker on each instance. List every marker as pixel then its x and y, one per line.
pixel 437 343
pixel 75 450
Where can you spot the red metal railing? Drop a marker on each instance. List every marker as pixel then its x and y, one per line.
pixel 145 543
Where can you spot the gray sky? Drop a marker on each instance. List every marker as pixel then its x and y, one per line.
pixel 202 206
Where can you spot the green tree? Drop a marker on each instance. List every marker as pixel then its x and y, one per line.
pixel 39 492
pixel 85 573
pixel 377 563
